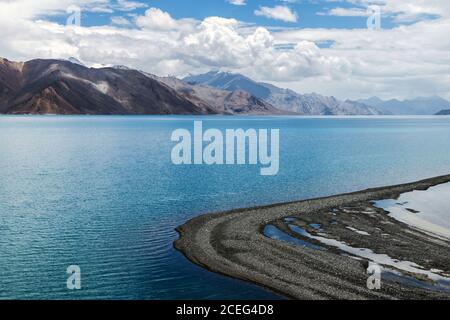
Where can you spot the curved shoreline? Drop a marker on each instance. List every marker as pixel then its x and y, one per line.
pixel 232 243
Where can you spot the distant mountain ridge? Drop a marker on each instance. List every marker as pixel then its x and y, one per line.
pixel 285 99
pixel 443 113
pixel 46 86
pixel 224 101
pixel 417 106
pixel 229 81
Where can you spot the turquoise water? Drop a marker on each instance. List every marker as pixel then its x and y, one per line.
pixel 102 193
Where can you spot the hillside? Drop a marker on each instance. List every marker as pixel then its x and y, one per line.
pixel 68 87
pixel 284 99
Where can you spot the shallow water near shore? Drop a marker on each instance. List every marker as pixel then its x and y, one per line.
pixel 439 282
pixel 102 193
pixel 428 210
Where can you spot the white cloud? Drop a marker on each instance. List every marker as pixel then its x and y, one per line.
pixel 164 45
pixel 406 61
pixel 237 2
pixel 120 21
pixel 32 9
pixel 346 12
pixel 282 13
pixel 401 11
pixel 125 5
pixel 154 18
pixel 218 42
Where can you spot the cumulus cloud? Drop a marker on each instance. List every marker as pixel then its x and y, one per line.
pixel 402 62
pixel 405 61
pixel 154 18
pixel 218 42
pixel 282 13
pixel 162 45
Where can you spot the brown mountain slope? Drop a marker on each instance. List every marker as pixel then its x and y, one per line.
pixel 10 79
pixel 61 87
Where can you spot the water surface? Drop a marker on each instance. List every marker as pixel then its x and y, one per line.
pixel 428 210
pixel 102 193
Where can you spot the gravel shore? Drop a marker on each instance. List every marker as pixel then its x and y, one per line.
pixel 233 243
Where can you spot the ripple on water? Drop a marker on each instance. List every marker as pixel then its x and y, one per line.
pixel 101 192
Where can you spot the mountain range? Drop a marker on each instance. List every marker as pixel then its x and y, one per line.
pixel 48 86
pixel 232 101
pixel 285 99
pixel 62 87
pixel 443 113
pixel 417 106
pixel 316 104
pixel 45 86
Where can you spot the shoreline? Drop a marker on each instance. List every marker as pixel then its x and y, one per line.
pixel 233 243
pixel 305 116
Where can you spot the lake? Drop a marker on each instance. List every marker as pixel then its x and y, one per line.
pixel 427 210
pixel 101 192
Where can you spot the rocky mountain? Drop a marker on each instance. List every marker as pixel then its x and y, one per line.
pixel 285 99
pixel 62 87
pixel 417 106
pixel 68 87
pixel 443 113
pixel 230 81
pixel 234 101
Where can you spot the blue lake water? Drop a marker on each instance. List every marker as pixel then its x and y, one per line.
pixel 102 193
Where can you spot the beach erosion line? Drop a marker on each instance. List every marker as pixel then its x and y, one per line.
pixel 233 243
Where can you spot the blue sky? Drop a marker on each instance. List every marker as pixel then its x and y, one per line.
pixel 310 13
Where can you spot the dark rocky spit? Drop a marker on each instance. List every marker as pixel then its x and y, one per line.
pixel 234 244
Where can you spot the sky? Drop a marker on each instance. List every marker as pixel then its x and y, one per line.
pixel 349 49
